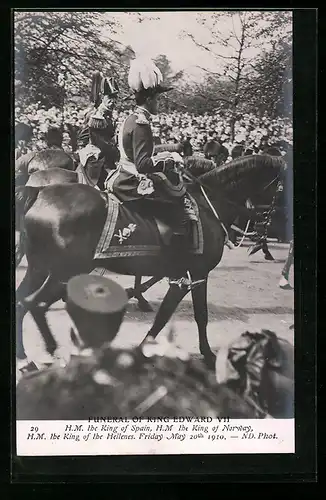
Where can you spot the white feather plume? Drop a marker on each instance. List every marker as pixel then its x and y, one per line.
pixel 143 73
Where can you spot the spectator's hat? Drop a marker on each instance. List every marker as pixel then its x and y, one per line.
pixel 96 305
pixel 53 136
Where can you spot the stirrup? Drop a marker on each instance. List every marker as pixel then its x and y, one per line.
pixel 186 283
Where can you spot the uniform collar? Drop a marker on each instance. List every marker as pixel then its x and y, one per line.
pixel 145 111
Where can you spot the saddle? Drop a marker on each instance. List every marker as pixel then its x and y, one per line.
pixel 166 192
pixel 166 188
pixel 131 231
pixel 159 192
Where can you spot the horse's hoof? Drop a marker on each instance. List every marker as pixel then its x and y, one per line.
pixel 269 256
pixel 144 306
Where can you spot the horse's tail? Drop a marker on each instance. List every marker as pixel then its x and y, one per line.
pixel 25 197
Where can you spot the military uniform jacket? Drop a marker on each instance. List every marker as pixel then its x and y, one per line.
pixel 136 146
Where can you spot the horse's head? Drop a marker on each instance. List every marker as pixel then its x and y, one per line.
pixel 244 178
pixel 198 166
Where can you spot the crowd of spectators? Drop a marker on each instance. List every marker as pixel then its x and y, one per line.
pixel 251 132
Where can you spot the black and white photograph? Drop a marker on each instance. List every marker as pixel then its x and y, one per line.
pixel 154 232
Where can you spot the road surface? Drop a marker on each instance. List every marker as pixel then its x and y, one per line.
pixel 243 295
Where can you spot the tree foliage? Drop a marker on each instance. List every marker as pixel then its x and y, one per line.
pixel 170 79
pixel 56 53
pixel 235 43
pixel 270 90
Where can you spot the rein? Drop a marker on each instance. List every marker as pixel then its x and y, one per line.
pixel 215 214
pixel 268 214
pixel 204 186
pixel 272 182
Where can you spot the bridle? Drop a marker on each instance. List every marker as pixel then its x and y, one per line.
pixel 267 215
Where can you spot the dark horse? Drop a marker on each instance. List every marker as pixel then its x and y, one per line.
pixel 53 167
pixel 28 165
pixel 47 167
pixel 41 178
pixel 64 222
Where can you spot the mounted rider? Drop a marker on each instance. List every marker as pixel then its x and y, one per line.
pixel 34 161
pixel 143 179
pixel 97 152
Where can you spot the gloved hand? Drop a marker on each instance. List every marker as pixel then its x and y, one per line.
pixel 105 104
pixel 176 157
pixel 163 155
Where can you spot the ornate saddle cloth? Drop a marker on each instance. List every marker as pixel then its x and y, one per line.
pixel 129 234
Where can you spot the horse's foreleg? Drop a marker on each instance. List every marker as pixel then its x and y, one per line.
pixel 142 288
pixel 20 314
pixel 170 302
pixel 149 283
pixel 142 303
pixel 139 289
pixel 131 291
pixel 199 300
pixel 31 281
pixel 265 249
pixel 38 304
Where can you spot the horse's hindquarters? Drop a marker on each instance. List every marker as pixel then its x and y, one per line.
pixel 63 227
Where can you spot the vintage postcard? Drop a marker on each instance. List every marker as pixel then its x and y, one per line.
pixel 154 232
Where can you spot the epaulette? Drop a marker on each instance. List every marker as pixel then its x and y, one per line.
pixel 141 118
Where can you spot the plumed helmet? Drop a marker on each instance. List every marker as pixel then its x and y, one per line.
pixel 145 77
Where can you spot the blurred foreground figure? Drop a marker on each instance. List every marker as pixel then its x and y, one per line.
pixel 156 379
pixel 260 368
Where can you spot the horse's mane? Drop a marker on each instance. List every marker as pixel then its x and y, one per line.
pixel 198 166
pixel 53 158
pixel 273 151
pixel 229 175
pixel 178 148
